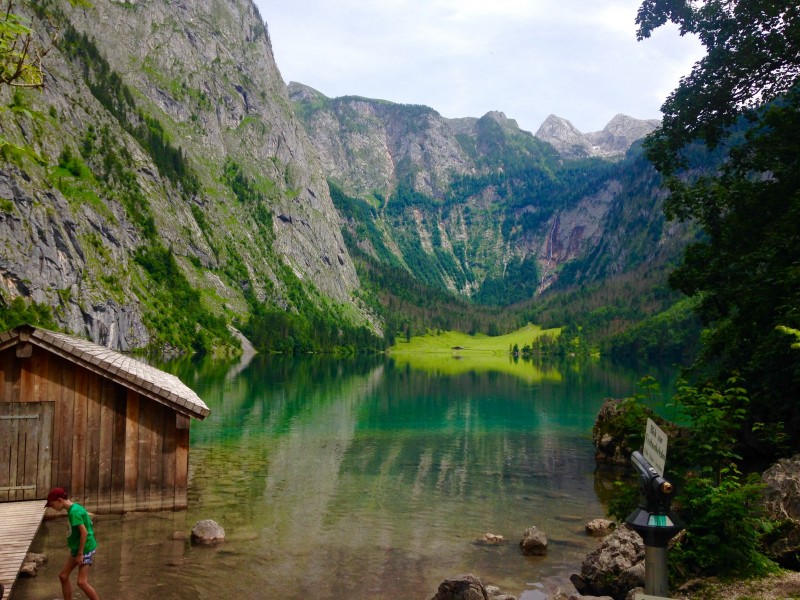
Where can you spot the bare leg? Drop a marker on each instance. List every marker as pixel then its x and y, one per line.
pixel 83 583
pixel 66 586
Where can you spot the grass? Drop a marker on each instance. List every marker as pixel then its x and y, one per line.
pixel 453 353
pixel 472 345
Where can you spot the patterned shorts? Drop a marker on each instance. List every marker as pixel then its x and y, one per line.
pixel 88 557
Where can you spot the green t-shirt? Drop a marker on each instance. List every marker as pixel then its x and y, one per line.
pixel 77 516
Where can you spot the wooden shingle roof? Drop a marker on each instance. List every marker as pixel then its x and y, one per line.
pixel 120 368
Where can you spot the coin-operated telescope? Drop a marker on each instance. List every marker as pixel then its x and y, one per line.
pixel 654 522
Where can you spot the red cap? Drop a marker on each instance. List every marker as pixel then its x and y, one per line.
pixel 56 494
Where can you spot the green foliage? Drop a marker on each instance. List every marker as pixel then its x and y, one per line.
pixel 753 56
pixel 742 99
pixel 20 57
pixel 723 513
pixel 630 420
pixel 23 311
pixel 257 195
pixel 178 317
pixel 725 525
pixel 672 335
pixel 519 282
pixel 277 330
pixel 409 305
pixel 362 216
pixel 792 332
pixel 599 311
pixel 717 418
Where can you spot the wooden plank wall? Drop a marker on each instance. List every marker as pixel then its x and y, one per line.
pixel 25 429
pixel 112 449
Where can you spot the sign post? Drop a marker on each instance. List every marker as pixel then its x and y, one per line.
pixel 653 520
pixel 655 446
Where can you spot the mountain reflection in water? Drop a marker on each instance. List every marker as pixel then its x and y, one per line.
pixel 364 478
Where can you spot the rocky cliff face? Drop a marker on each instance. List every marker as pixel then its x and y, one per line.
pixel 503 213
pixel 369 146
pixel 614 140
pixel 241 197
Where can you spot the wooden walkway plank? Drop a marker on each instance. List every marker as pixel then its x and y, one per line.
pixel 19 522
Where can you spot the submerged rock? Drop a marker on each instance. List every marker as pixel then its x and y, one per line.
pixel 462 587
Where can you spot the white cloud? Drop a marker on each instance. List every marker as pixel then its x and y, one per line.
pixel 528 58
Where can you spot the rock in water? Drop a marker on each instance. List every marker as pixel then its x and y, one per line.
pixel 600 527
pixel 534 542
pixel 207 533
pixel 463 587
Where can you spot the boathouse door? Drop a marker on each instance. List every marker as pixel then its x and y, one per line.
pixel 26 431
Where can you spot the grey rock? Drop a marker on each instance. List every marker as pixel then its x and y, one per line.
pixel 611 569
pixel 614 140
pixel 214 86
pixel 562 595
pixel 782 503
pixel 207 533
pixel 634 592
pixel 600 527
pixel 462 587
pixel 495 593
pixel 28 569
pixel 533 542
pixel 610 448
pixel 36 557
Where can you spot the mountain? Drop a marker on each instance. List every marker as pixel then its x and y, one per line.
pixel 166 185
pixel 613 141
pixel 479 206
pixel 162 165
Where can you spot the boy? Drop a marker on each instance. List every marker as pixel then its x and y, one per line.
pixel 80 541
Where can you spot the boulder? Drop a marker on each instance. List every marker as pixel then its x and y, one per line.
pixel 782 503
pixel 28 569
pixel 463 587
pixel 207 533
pixel 495 593
pixel 493 538
pixel 562 595
pixel 609 438
pixel 31 563
pixel 533 542
pixel 36 558
pixel 600 527
pixel 612 569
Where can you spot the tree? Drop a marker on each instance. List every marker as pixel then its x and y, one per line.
pixel 20 54
pixel 20 59
pixel 742 98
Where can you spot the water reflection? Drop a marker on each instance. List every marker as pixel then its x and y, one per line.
pixel 364 479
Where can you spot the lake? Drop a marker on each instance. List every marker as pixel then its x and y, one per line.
pixel 366 478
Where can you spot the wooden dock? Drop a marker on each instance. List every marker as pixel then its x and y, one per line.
pixel 19 522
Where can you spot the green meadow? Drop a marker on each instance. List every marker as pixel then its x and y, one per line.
pixel 453 353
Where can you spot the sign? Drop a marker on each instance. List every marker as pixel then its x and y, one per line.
pixel 655 446
pixel 640 596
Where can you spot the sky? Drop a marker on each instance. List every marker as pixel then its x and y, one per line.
pixel 578 59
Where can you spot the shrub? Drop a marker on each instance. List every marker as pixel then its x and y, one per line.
pixel 725 523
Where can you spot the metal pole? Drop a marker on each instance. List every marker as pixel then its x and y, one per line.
pixel 655 571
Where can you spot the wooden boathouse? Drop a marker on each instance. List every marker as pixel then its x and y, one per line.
pixel 108 428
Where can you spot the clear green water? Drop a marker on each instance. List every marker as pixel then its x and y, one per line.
pixel 361 479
